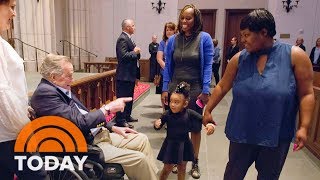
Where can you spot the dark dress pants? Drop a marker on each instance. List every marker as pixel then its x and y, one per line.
pixel 215 70
pixel 153 68
pixel 9 166
pixel 268 160
pixel 124 89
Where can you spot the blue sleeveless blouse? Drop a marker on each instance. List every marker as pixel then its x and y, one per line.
pixel 264 107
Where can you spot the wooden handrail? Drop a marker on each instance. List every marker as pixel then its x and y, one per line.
pixel 95 90
pixel 80 49
pixel 95 77
pixel 36 49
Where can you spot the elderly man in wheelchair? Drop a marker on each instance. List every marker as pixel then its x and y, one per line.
pixel 120 145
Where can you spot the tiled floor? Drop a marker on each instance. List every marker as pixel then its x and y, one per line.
pixel 213 152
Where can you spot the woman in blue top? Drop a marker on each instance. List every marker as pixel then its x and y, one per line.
pixel 189 58
pixel 270 82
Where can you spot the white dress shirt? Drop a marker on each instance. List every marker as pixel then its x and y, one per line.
pixel 69 94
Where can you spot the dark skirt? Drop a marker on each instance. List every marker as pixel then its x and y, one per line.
pixel 174 152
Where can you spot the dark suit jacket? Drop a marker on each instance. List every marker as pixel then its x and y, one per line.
pixel 302 47
pixel 127 59
pixel 232 51
pixel 312 55
pixel 48 100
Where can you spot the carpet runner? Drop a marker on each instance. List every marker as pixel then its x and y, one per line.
pixel 138 91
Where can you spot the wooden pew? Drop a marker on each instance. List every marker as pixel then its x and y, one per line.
pixel 313 141
pixel 100 65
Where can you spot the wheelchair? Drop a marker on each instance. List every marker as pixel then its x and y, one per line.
pixel 94 168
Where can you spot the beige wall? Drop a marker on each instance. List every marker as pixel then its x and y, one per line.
pixel 106 17
pixel 303 21
pixel 221 6
pixel 95 25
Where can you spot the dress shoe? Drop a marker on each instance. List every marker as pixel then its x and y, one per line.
pixel 125 124
pixel 131 119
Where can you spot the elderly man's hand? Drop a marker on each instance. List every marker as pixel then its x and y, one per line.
pixel 118 104
pixel 123 131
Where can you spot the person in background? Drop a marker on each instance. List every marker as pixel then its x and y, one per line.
pixel 270 82
pixel 177 147
pixel 315 54
pixel 13 102
pixel 233 49
pixel 128 55
pixel 189 58
pixel 216 61
pixel 299 42
pixel 169 29
pixel 53 97
pixel 153 49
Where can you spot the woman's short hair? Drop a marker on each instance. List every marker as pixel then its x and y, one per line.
pixel 4 2
pixel 257 20
pixel 52 65
pixel 169 25
pixel 197 27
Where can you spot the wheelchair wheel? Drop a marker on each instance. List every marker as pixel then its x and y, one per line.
pixel 93 170
pixel 66 174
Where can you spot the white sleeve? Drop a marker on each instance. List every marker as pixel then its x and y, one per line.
pixel 13 111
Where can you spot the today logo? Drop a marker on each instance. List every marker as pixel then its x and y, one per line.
pixel 50 134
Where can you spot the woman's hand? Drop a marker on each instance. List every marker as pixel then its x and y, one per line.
pixel 31 113
pixel 204 98
pixel 164 98
pixel 207 118
pixel 301 138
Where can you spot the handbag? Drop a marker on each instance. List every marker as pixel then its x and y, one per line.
pixel 156 80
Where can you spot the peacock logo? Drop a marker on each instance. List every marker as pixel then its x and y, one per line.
pixel 50 134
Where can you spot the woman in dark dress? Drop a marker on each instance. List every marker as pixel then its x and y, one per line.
pixel 177 147
pixel 189 58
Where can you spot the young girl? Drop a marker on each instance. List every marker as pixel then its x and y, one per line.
pixel 177 147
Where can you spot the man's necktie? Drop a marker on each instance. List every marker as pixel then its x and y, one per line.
pixel 134 44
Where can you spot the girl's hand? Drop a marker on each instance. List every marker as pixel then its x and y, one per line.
pixel 210 128
pixel 204 98
pixel 157 123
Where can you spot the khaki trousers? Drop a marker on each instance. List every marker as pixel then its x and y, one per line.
pixel 133 153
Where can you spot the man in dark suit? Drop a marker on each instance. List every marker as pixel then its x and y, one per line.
pixel 154 66
pixel 128 55
pixel 233 49
pixel 299 42
pixel 125 146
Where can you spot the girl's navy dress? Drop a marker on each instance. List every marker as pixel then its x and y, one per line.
pixel 177 146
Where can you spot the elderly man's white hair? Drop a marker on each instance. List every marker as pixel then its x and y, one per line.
pixel 52 65
pixel 125 23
